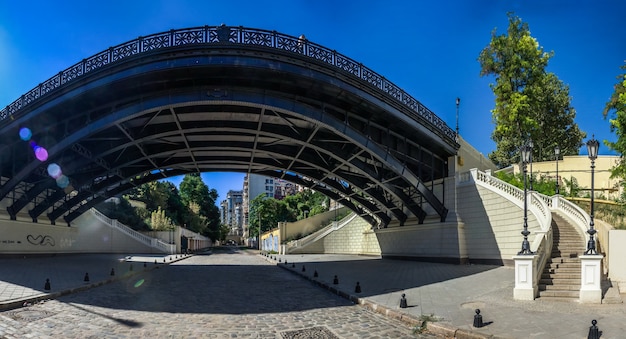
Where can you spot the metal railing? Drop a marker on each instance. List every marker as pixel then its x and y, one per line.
pixel 220 36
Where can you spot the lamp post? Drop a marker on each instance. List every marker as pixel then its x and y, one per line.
pixel 458 101
pixel 557 151
pixel 530 159
pixel 526 153
pixel 592 149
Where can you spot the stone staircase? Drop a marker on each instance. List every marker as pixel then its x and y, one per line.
pixel 560 279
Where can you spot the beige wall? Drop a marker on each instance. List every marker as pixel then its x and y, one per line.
pixel 579 167
pixel 356 237
pixel 87 235
pixel 617 253
pixel 303 227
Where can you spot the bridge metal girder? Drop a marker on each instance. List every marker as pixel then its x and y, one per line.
pixel 297 117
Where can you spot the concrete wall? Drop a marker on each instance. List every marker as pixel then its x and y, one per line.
pixel 617 253
pixel 492 224
pixel 86 235
pixel 297 229
pixel 356 237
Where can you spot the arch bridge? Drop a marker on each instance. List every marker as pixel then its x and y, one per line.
pixel 228 99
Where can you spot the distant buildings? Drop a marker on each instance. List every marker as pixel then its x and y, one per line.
pixel 234 210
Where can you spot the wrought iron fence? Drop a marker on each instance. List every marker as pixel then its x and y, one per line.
pixel 221 35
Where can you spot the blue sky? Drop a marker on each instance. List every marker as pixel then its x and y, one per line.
pixel 428 48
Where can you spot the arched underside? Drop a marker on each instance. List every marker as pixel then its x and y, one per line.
pixel 223 107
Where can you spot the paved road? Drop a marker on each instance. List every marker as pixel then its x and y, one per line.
pixel 227 294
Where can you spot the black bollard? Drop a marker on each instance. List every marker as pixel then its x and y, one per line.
pixel 86 279
pixel 293 265
pixel 478 319
pixel 163 259
pixel 112 271
pixel 594 333
pixel 303 268
pixel 357 289
pixel 155 261
pixel 280 260
pixel 286 262
pixel 144 265
pixel 315 274
pixel 335 281
pixel 403 303
pixel 46 286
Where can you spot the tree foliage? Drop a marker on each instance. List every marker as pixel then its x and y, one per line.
pixel 530 104
pixel 616 109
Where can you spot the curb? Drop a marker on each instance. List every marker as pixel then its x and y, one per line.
pixel 438 328
pixel 17 303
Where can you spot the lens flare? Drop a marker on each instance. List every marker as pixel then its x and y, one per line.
pixel 139 283
pixel 54 170
pixel 25 133
pixel 63 181
pixel 41 153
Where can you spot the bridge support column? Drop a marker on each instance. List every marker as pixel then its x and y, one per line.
pixel 525 277
pixel 590 278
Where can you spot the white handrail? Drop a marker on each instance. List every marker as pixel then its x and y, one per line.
pixel 146 240
pixel 311 238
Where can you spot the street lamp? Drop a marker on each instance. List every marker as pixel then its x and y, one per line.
pixel 526 153
pixel 557 151
pixel 530 149
pixel 592 149
pixel 458 101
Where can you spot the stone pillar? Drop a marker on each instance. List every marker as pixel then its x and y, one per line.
pixel 590 278
pixel 525 282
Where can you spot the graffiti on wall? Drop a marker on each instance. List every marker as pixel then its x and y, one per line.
pixel 42 240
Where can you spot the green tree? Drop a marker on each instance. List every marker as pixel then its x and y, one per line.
pixel 530 104
pixel 616 109
pixel 194 190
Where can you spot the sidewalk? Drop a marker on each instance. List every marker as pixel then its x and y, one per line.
pixel 24 280
pixel 452 293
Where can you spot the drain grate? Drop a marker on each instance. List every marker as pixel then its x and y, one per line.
pixel 310 333
pixel 28 315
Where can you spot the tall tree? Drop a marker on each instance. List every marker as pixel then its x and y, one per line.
pixel 530 103
pixel 616 108
pixel 194 190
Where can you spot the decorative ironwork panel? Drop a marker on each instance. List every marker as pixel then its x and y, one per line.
pixel 348 65
pixel 371 77
pixel 4 113
pixel 97 61
pixel 392 90
pixel 410 102
pixel 31 95
pixel 189 37
pixel 125 50
pixel 322 54
pixel 257 38
pixel 156 41
pixel 50 84
pixel 289 44
pixel 14 106
pixel 72 73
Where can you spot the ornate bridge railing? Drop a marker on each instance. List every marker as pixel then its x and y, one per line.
pixel 221 35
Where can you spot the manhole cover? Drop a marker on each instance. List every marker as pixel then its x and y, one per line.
pixel 28 315
pixel 310 333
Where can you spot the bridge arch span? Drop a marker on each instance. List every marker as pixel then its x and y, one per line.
pixel 223 99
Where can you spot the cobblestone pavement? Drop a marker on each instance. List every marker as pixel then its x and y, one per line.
pixel 227 294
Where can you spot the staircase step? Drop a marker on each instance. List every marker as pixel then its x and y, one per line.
pixel 565 270
pixel 560 281
pixel 561 275
pixel 544 287
pixel 560 294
